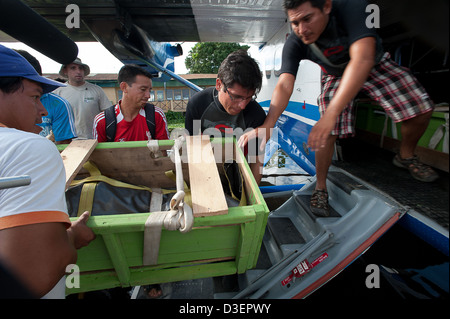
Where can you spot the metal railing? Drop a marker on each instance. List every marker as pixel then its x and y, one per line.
pixel 172 105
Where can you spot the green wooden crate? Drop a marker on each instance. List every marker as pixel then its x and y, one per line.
pixel 372 118
pixel 216 246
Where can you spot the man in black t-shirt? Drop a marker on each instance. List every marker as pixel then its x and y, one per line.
pixel 334 34
pixel 230 108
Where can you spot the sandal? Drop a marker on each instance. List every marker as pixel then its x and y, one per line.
pixel 319 203
pixel 418 170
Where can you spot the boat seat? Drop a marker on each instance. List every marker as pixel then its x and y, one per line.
pixel 284 231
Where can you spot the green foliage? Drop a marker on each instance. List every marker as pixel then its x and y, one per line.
pixel 174 120
pixel 206 57
pixel 172 116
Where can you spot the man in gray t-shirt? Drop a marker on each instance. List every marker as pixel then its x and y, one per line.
pixel 86 99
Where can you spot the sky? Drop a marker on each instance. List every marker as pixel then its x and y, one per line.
pixel 96 56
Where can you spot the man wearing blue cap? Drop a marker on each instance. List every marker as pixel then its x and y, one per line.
pixel 37 238
pixel 58 125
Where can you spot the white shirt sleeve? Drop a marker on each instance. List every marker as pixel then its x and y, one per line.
pixel 44 199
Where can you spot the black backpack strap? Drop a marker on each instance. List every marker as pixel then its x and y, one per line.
pixel 111 123
pixel 150 118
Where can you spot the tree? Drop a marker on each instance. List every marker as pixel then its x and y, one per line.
pixel 206 57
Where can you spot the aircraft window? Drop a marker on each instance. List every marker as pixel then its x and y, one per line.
pixel 268 61
pixel 277 64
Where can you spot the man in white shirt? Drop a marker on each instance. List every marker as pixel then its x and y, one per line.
pixel 37 237
pixel 86 99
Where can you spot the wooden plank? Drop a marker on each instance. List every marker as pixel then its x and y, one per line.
pixel 134 166
pixel 207 194
pixel 91 281
pixel 118 259
pixel 250 185
pixel 74 157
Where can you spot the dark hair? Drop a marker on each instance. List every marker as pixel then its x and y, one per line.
pixel 238 67
pixel 9 85
pixel 292 4
pixel 31 59
pixel 129 72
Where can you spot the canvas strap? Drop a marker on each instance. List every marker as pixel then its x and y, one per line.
pixel 179 217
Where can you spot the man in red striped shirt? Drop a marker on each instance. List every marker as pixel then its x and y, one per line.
pixel 131 120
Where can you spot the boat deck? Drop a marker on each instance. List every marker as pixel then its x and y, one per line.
pixel 374 165
pixel 397 248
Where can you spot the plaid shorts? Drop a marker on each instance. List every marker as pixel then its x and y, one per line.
pixel 392 86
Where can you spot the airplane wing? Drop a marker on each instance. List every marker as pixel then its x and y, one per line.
pixel 244 21
pixel 138 30
pixel 248 21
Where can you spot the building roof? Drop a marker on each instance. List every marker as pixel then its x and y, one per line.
pixel 113 76
pixel 198 76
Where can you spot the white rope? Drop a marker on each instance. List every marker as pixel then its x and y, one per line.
pixel 154 149
pixel 180 210
pixel 179 217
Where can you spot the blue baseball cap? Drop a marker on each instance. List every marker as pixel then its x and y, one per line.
pixel 12 64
